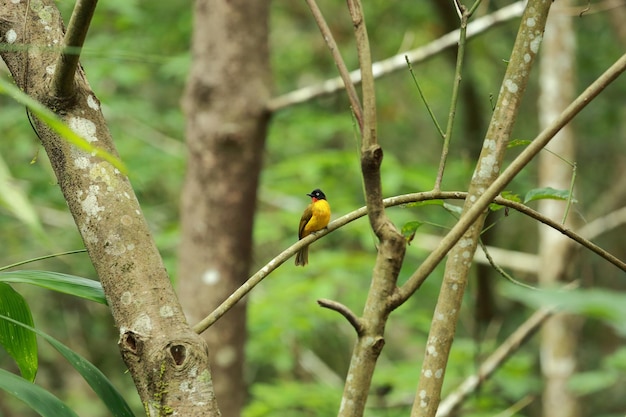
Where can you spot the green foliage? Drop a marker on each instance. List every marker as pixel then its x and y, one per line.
pixel 546 193
pixel 19 343
pixel 67 284
pixel 37 398
pixel 57 124
pixel 293 399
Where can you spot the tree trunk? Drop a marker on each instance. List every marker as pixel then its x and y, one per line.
pixel 167 360
pixel 559 333
pixel 225 105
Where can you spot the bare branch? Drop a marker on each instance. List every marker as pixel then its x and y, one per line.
pixel 398 62
pixel 339 62
pixel 67 62
pixel 344 311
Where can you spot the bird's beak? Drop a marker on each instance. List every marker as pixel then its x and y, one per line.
pixel 310 195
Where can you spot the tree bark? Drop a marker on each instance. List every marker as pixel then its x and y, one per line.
pixel 225 105
pixel 167 360
pixel 560 333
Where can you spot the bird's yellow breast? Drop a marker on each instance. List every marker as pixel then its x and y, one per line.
pixel 320 216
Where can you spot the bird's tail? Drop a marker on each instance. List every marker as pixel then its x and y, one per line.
pixel 302 257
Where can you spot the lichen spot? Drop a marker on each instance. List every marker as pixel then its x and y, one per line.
pixel 81 162
pixel 83 127
pixel 487 166
pixel 530 22
pixel 423 397
pixel 225 356
pixel 527 58
pixel 143 324
pixel 432 350
pixel 15 1
pixel 166 311
pixel 439 317
pixel 428 373
pixel 10 36
pixel 114 245
pixel 92 102
pixel 466 254
pixel 211 277
pixel 50 69
pixel 534 44
pixel 489 144
pixel 511 86
pixel 455 287
pixel 439 373
pixel 126 298
pixel 126 220
pixel 90 204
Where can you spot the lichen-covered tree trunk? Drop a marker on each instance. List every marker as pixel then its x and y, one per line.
pixel 560 333
pixel 225 105
pixel 167 360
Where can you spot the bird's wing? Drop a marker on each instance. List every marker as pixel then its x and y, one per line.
pixel 306 216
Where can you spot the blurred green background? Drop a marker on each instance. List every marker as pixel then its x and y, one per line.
pixel 136 59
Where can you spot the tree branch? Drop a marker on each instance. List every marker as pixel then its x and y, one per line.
pixel 67 62
pixel 398 62
pixel 355 321
pixel 482 202
pixel 617 218
pixel 339 62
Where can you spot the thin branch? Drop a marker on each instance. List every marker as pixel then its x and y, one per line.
pixel 398 62
pixel 481 204
pixel 344 74
pixel 67 63
pixel 591 230
pixel 460 55
pixel 421 93
pixel 355 321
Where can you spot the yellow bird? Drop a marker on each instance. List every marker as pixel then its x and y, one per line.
pixel 315 217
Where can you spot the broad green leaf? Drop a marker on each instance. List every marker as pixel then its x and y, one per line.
pixel 19 343
pixel 55 123
pixel 546 193
pixel 68 284
pixel 17 202
pixel 37 398
pixel 101 385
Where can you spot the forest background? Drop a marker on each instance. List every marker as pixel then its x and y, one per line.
pixel 137 61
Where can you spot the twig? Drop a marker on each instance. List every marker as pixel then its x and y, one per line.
pixel 419 276
pixel 398 62
pixel 67 63
pixel 355 321
pixel 344 74
pixel 464 15
pixel 421 93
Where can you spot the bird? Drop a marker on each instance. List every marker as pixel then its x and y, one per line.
pixel 315 217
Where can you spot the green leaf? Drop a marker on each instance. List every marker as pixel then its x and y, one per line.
pixel 67 284
pixel 546 193
pixel 409 229
pixel 424 203
pixel 507 195
pixel 56 124
pixel 19 343
pixel 518 142
pixel 37 398
pixel 454 209
pixel 101 385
